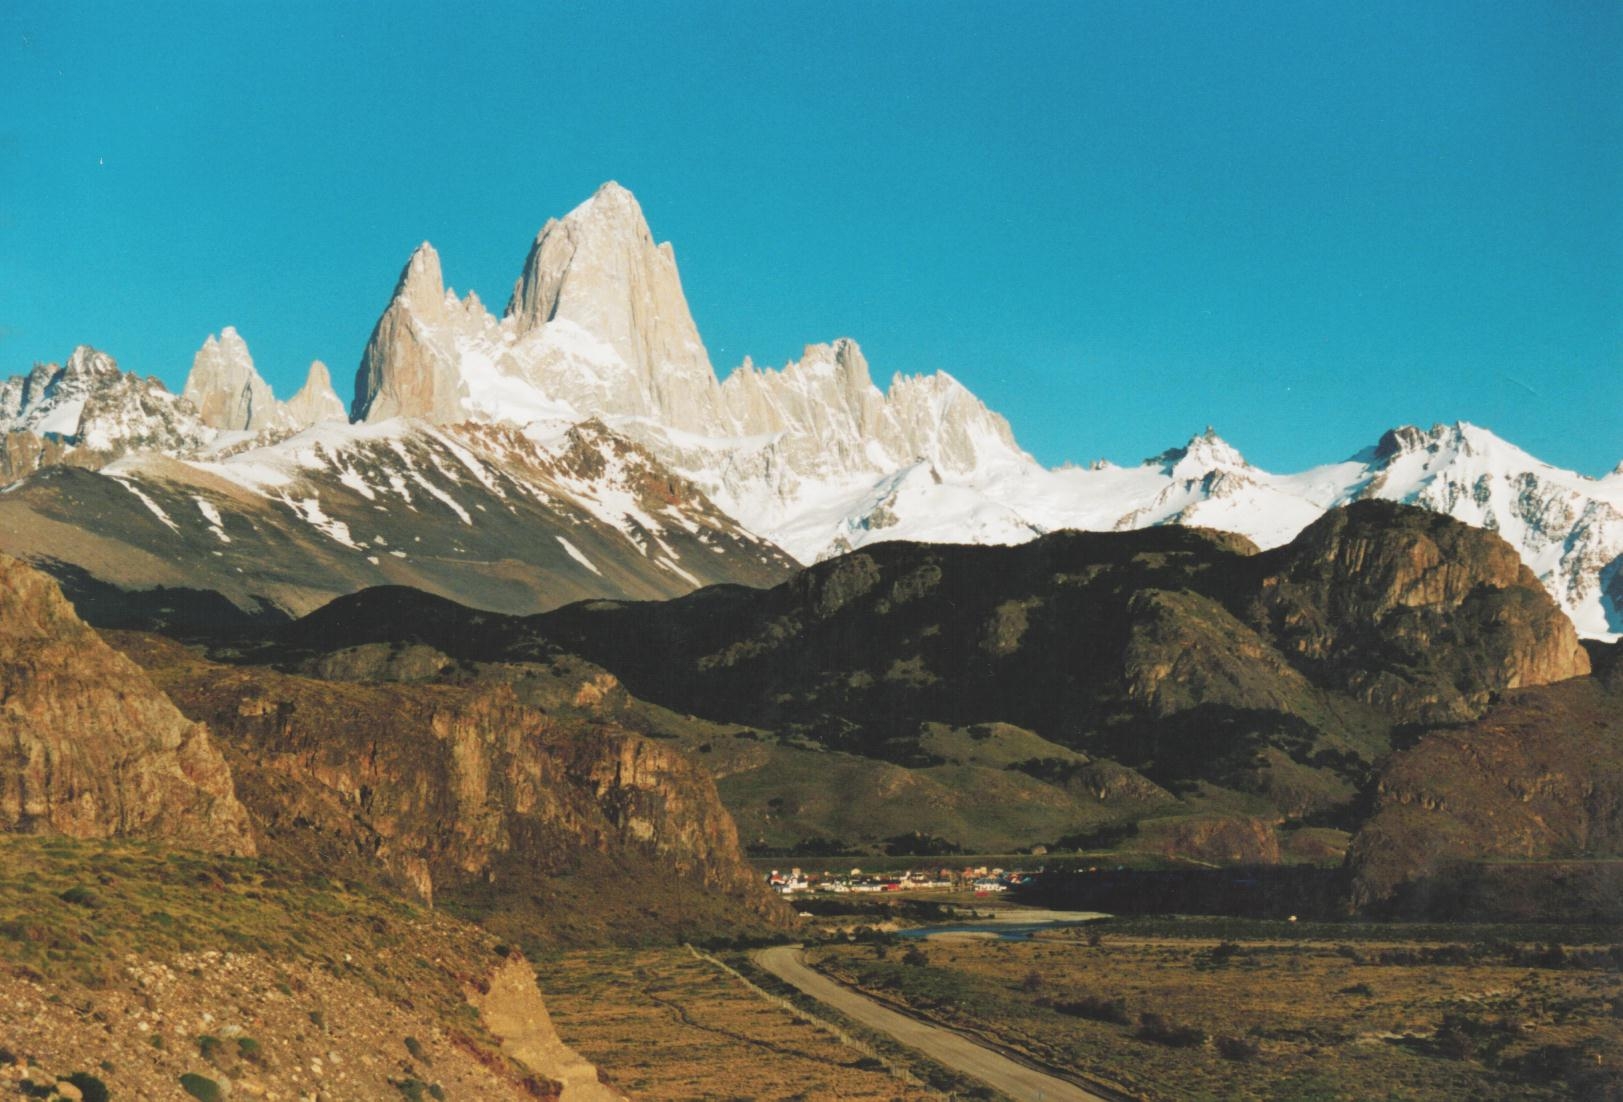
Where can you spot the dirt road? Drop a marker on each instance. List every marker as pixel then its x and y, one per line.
pixel 941 1045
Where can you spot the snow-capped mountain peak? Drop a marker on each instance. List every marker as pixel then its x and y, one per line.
pixel 813 455
pixel 1204 454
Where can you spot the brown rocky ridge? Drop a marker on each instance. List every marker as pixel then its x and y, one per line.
pixel 454 790
pixel 1080 688
pixel 136 922
pixel 89 747
pixel 1534 787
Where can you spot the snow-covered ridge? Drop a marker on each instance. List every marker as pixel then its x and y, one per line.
pixel 597 351
pixel 1568 528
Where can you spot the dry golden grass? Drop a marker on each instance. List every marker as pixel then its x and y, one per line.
pixel 1328 1021
pixel 665 1025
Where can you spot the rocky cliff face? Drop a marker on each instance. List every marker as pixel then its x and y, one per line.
pixel 1539 777
pixel 405 372
pixel 88 746
pixel 227 390
pixel 316 401
pixel 230 395
pixel 1418 614
pixel 573 831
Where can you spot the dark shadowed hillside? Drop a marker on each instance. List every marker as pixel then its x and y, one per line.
pixel 1171 688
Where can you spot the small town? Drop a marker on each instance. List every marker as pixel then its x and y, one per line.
pixel 982 881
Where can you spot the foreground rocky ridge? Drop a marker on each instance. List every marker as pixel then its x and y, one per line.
pixel 293 973
pixel 162 974
pixel 89 747
pixel 456 791
pixel 454 788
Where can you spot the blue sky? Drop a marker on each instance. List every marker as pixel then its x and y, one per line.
pixel 1117 223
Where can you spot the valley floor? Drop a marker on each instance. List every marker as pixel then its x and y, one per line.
pixel 666 1025
pixel 1257 1012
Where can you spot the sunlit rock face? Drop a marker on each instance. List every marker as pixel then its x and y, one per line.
pixel 89 747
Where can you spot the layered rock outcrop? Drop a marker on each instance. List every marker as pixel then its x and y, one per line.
pixel 89 747
pixel 465 792
pixel 1413 612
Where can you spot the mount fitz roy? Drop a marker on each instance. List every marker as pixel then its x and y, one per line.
pixel 582 445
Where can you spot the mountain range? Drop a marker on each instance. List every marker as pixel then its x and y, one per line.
pixel 581 444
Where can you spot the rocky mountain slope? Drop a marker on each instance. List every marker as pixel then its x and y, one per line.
pixel 813 458
pixel 176 975
pixel 1173 679
pixel 488 514
pixel 456 791
pixel 1537 780
pixel 89 747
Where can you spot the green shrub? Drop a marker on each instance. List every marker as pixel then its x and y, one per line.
pixel 210 1048
pixel 415 1090
pixel 250 1050
pixel 91 1089
pixel 80 896
pixel 415 1047
pixel 1241 1050
pixel 1096 1008
pixel 201 1088
pixel 1154 1027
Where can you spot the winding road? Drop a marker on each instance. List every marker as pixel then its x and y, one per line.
pixel 954 1050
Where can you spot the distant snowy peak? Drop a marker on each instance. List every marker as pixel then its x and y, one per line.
pixel 1567 528
pixel 598 271
pixel 1204 455
pixel 598 326
pixel 226 388
pixel 406 371
pixel 88 406
pixel 831 419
